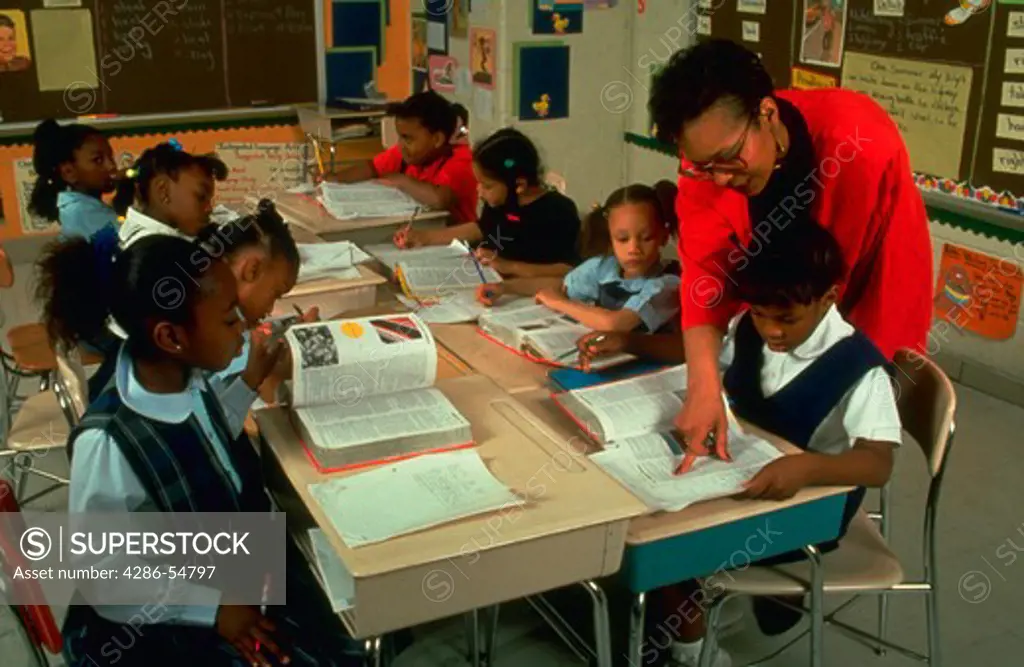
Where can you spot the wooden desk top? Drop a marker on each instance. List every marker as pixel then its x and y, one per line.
pixel 368 278
pixel 563 491
pixel 510 371
pixel 661 525
pixel 306 212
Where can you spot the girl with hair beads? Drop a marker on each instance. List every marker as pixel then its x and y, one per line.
pixel 629 287
pixel 168 191
pixel 525 229
pixel 75 165
pixel 158 439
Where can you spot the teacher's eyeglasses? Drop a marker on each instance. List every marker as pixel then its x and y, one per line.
pixel 729 162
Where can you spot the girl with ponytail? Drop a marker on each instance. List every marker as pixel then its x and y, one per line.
pixel 525 230
pixel 75 168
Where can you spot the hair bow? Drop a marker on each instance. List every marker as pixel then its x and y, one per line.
pixel 131 173
pixel 175 144
pixel 509 163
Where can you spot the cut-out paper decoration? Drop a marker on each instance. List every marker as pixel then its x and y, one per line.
pixel 964 10
pixel 978 293
pixel 542 81
pixel 557 17
pixel 482 56
pixel 419 42
pixel 443 73
pixel 823 27
pixel 459 13
pixel 15 55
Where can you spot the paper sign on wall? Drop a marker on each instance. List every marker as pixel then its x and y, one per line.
pixel 1007 161
pixel 805 79
pixel 1013 94
pixel 889 7
pixel 259 169
pixel 1015 25
pixel 978 293
pixel 927 100
pixel 1014 61
pixel 749 6
pixel 24 181
pixel 751 31
pixel 65 53
pixel 1009 126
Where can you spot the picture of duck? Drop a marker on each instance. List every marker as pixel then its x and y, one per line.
pixel 965 10
pixel 561 23
pixel 543 107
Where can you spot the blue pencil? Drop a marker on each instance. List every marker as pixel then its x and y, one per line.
pixel 479 269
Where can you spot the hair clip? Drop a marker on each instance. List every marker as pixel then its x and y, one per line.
pixel 175 144
pixel 509 163
pixel 131 173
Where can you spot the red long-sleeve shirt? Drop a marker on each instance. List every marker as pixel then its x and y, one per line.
pixel 862 190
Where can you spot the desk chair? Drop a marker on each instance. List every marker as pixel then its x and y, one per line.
pixel 34 615
pixel 28 354
pixel 863 563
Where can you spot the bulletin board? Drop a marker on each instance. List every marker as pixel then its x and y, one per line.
pixel 950 74
pixel 97 57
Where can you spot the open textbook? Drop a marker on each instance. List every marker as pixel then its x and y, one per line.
pixel 362 391
pixel 409 496
pixel 646 466
pixel 633 419
pixel 628 408
pixel 434 271
pixel 447 309
pixel 390 255
pixel 347 201
pixel 329 260
pixel 541 334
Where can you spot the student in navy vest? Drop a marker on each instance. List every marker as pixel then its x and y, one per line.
pixel 159 439
pixel 797 369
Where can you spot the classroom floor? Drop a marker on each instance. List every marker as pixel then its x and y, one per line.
pixel 981 524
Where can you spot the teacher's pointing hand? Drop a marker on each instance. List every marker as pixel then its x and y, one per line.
pixel 704 425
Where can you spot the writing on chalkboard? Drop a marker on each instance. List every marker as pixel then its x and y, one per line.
pixel 910 36
pixel 1009 126
pixel 928 101
pixel 1007 161
pixel 1015 25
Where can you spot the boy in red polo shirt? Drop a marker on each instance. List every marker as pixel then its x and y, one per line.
pixel 425 164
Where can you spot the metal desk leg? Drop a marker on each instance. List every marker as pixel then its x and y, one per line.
pixel 491 638
pixel 473 637
pixel 373 652
pixel 602 629
pixel 637 611
pixel 817 606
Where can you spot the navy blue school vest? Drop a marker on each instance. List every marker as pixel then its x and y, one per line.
pixel 795 411
pixel 613 296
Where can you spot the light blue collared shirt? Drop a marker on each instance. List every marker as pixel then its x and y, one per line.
pixel 82 215
pixel 102 480
pixel 655 299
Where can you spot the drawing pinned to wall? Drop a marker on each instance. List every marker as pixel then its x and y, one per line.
pixel 24 181
pixel 964 10
pixel 459 13
pixel 704 25
pixel 419 42
pixel 978 293
pixel 541 90
pixel 442 73
pixel 751 31
pixel 557 17
pixel 65 52
pixel 823 28
pixel 437 34
pixel 15 55
pixel 483 104
pixel 482 55
pixel 890 7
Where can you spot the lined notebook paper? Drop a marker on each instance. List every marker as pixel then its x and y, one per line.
pixel 410 495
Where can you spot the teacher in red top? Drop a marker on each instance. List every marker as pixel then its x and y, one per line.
pixel 755 161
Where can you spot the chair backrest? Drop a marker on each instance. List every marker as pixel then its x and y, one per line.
pixel 74 384
pixel 927 405
pixel 31 607
pixel 388 132
pixel 6 270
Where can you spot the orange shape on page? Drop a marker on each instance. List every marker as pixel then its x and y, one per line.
pixel 352 329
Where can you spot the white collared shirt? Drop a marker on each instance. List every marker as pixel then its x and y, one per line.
pixel 102 480
pixel 866 412
pixel 138 225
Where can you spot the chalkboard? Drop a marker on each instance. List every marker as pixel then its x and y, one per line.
pixel 164 56
pixel 763 26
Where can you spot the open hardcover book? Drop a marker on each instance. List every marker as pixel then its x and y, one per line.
pixel 362 391
pixel 390 256
pixel 633 420
pixel 541 334
pixel 433 272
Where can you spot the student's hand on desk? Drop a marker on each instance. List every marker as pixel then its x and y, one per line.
pixel 488 294
pixel 599 343
pixel 406 238
pixel 549 297
pixel 781 479
pixel 264 353
pixel 244 627
pixel 490 258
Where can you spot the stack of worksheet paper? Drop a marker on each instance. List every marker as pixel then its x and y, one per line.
pixel 329 260
pixel 347 201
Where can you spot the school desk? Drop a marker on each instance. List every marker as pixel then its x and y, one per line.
pixel 333 295
pixel 570 529
pixel 306 212
pixel 510 371
pixel 705 538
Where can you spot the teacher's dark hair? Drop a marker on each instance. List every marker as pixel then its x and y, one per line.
pixel 797 266
pixel 717 71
